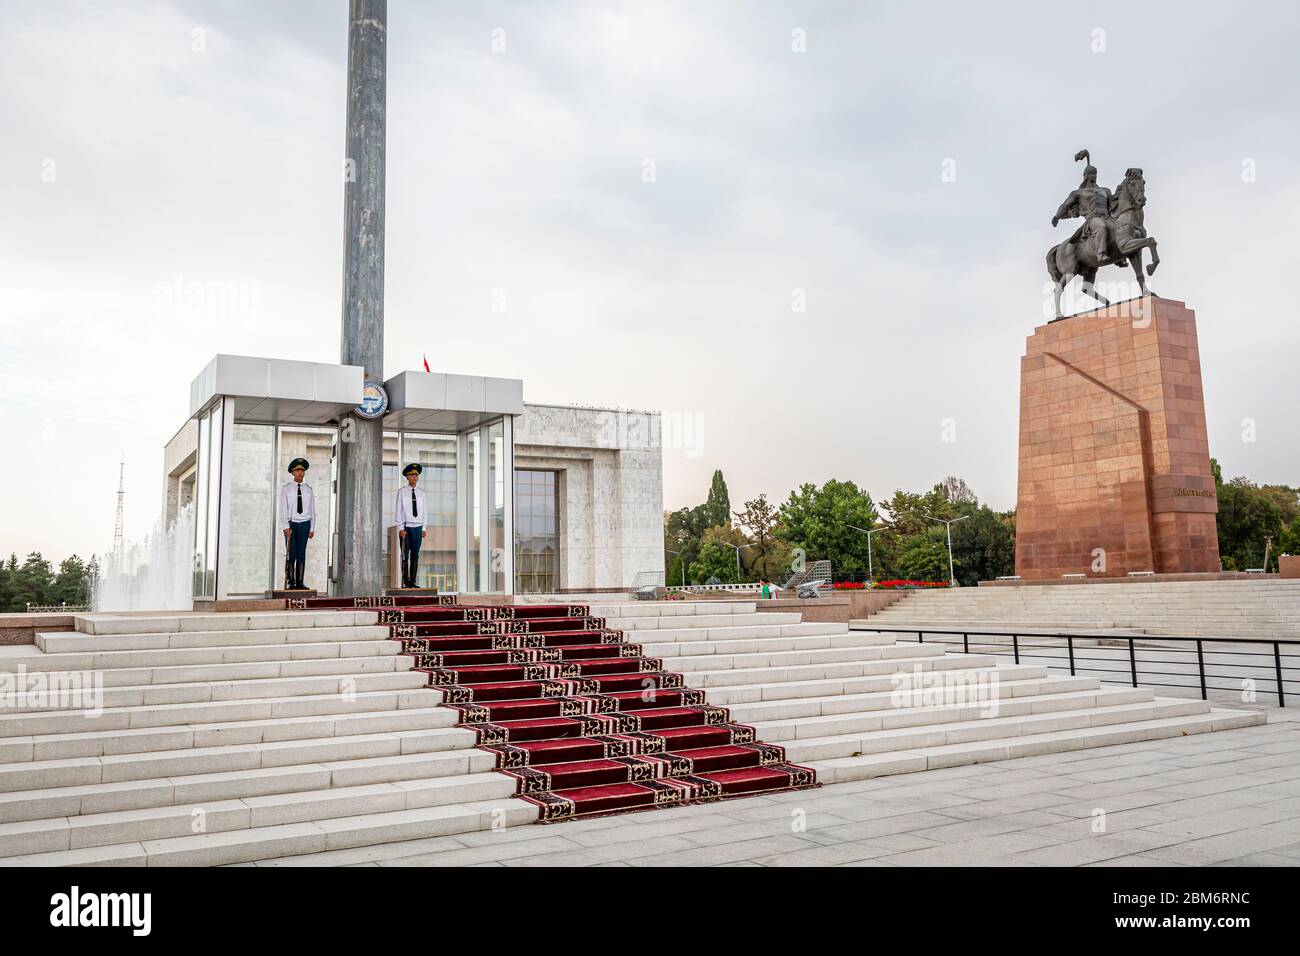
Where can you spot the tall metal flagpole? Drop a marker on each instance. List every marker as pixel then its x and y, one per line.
pixel 362 442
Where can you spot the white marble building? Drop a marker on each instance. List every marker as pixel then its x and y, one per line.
pixel 609 463
pixel 584 511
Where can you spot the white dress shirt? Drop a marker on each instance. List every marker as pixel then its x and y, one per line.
pixel 289 504
pixel 402 517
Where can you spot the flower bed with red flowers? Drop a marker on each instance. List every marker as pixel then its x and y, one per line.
pixel 896 584
pixel 903 585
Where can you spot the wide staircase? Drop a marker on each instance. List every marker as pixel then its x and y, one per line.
pixel 1231 609
pixel 237 737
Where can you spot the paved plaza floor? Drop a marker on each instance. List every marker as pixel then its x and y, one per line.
pixel 1226 798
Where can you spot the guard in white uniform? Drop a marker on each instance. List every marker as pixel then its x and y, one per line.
pixel 410 516
pixel 298 521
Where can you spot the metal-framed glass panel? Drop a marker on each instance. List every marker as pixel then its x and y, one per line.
pixel 207 494
pixel 537 531
pixel 317 446
pixel 436 454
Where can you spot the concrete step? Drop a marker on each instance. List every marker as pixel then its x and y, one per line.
pixel 1004 683
pixel 215 654
pixel 637 625
pixel 253 670
pixel 741 663
pixel 708 647
pixel 672 608
pixel 781 684
pixel 1089 713
pixel 881 723
pixel 75 832
pixel 105 743
pixel 33 723
pixel 451 746
pixel 250 689
pixel 458 780
pixel 109 623
pixel 259 843
pixel 58 642
pixel 905 657
pixel 842 769
pixel 741 632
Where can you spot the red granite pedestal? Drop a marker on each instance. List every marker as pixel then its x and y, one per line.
pixel 1114 458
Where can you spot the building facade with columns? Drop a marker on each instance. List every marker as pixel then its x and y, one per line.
pixel 522 497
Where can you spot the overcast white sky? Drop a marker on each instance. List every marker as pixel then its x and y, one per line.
pixel 138 156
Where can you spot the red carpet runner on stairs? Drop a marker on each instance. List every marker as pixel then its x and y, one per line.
pixel 580 717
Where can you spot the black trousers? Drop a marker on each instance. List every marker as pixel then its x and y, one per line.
pixel 297 552
pixel 411 542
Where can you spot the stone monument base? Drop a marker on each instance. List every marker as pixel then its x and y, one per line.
pixel 1114 458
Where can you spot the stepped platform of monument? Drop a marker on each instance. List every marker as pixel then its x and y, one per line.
pixel 1240 609
pixel 235 737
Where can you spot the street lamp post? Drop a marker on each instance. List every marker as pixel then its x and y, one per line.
pixel 952 574
pixel 679 554
pixel 871 570
pixel 737 548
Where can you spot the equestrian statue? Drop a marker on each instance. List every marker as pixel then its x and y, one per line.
pixel 1112 233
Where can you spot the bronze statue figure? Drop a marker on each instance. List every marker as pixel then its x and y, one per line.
pixel 1112 233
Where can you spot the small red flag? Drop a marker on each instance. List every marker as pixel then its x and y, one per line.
pixel 426 364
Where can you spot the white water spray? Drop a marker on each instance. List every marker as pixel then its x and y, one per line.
pixel 152 575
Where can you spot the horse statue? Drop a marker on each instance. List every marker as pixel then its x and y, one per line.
pixel 1112 234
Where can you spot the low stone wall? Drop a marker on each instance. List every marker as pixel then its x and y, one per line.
pixel 840 607
pixel 865 603
pixel 1141 579
pixel 22 628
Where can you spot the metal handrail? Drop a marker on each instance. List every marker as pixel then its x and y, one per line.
pixel 1203 672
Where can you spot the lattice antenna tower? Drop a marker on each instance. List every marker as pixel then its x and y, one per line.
pixel 118 544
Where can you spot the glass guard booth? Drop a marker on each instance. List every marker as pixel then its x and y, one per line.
pixel 257 415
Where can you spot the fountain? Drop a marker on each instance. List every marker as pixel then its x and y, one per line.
pixel 151 575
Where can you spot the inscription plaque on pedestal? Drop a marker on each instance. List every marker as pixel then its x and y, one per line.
pixel 1114 459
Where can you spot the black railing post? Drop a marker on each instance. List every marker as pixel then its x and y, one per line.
pixel 1277 670
pixel 965 643
pixel 1133 661
pixel 1069 642
pixel 1015 645
pixel 1200 666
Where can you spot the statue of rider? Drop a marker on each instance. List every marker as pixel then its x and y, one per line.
pixel 1093 203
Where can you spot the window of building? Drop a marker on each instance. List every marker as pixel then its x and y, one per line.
pixel 537 531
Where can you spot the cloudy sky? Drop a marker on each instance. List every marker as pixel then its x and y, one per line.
pixel 171 187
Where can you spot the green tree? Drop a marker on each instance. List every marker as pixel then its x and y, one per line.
pixel 924 556
pixel 717 507
pixel 1289 541
pixel 1247 517
pixel 717 560
pixel 769 557
pixel 983 546
pixel 911 513
pixel 823 522
pixel 72 584
pixel 31 582
pixel 7 570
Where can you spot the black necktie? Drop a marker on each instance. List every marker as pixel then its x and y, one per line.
pixel 300 499
pixel 415 509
